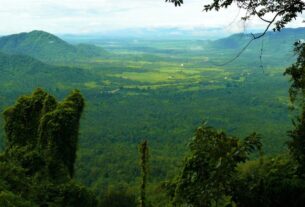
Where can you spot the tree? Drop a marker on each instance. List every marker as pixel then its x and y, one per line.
pixel 272 182
pixel 37 165
pixel 143 148
pixel 276 13
pixel 297 97
pixel 281 11
pixel 207 174
pixel 297 75
pixel 118 196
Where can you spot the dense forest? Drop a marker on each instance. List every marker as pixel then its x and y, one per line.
pixel 147 122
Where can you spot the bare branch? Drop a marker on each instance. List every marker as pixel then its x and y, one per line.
pixel 236 56
pixel 260 16
pixel 269 25
pixel 263 19
pixel 261 56
pixel 251 40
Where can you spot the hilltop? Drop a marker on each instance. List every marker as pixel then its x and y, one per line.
pixel 47 47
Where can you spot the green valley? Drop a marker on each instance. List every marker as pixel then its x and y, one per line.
pixel 154 90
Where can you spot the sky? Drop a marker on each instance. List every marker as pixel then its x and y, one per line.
pixel 102 16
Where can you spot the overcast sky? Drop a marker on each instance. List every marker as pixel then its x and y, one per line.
pixel 99 16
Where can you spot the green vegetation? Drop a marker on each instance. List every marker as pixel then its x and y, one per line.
pixel 144 155
pixel 160 91
pixel 47 47
pixel 37 165
pixel 209 172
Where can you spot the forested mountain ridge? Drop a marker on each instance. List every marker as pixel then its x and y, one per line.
pixel 19 72
pixel 270 42
pixel 47 47
pixel 274 49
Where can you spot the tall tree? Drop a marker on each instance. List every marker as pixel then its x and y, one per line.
pixel 297 97
pixel 42 137
pixel 207 174
pixel 143 148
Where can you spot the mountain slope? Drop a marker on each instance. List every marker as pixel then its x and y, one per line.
pixel 47 47
pixel 21 73
pixel 274 49
pixel 272 40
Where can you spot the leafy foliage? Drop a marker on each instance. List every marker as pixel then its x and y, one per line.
pixel 209 170
pixel 297 97
pixel 297 75
pixel 143 149
pixel 118 196
pixel 38 162
pixel 130 96
pixel 176 2
pixel 47 47
pixel 269 182
pixel 287 11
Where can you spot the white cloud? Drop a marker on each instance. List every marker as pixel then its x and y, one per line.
pixel 94 16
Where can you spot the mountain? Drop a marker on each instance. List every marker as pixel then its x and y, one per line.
pixel 272 40
pixel 158 33
pixel 47 47
pixel 274 49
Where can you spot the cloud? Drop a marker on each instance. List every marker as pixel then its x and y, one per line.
pixel 95 16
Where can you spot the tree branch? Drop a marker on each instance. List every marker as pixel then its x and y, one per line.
pixel 251 40
pixel 269 25
pixel 259 16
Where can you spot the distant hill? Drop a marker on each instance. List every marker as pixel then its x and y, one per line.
pixel 19 73
pixel 276 48
pixel 161 33
pixel 272 40
pixel 47 47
